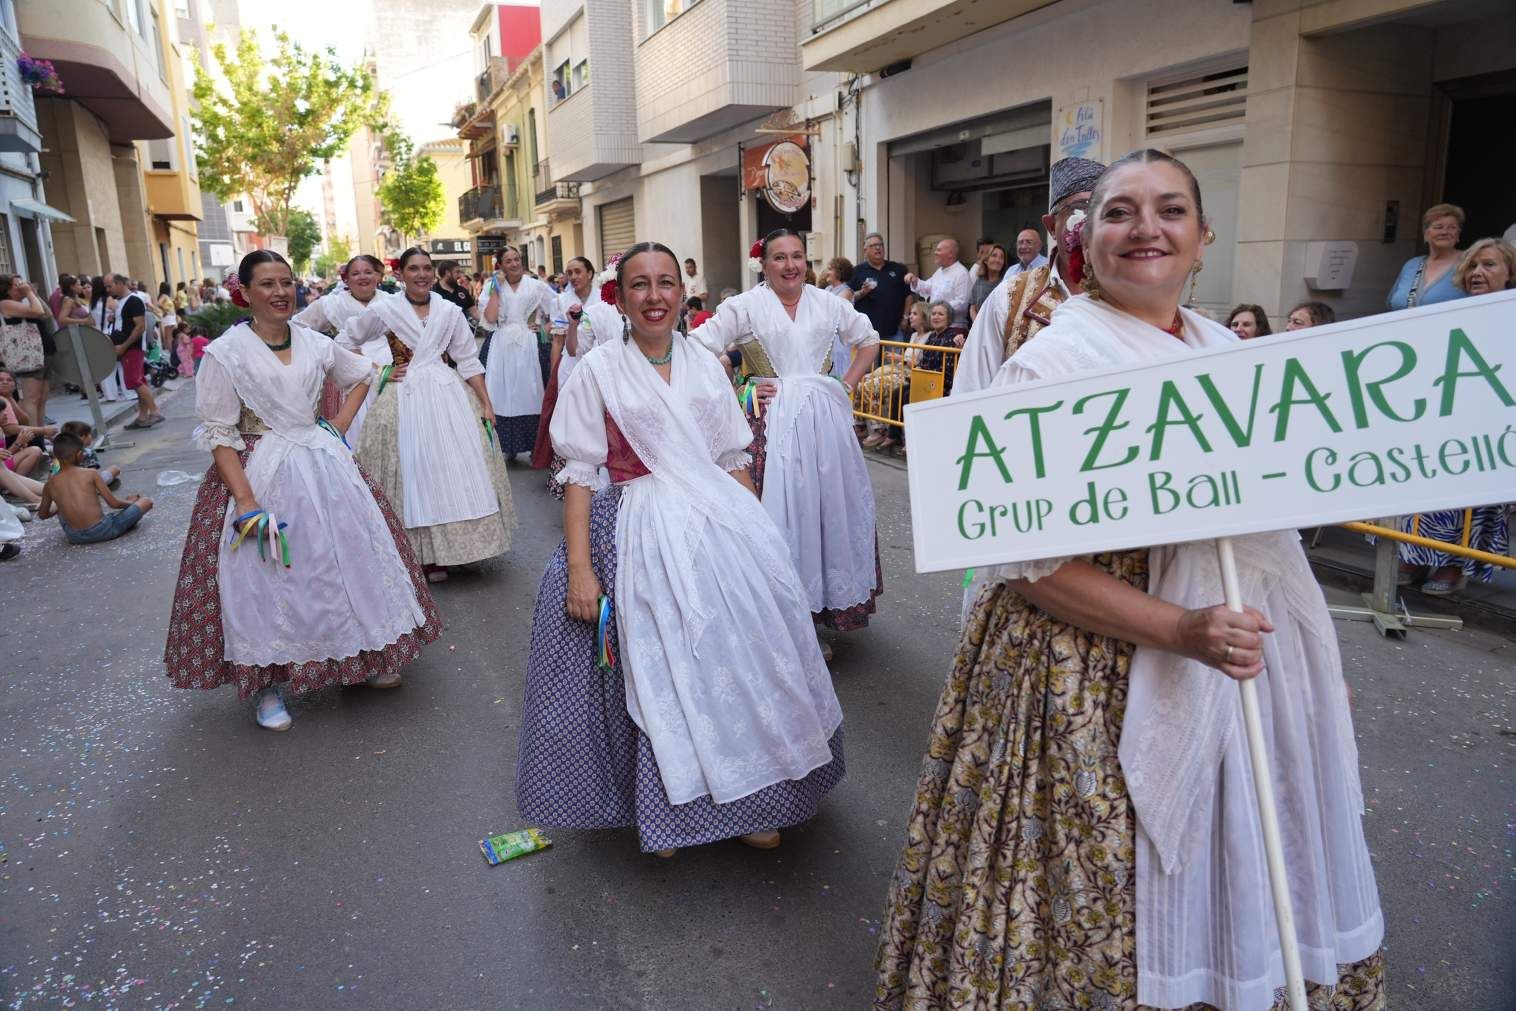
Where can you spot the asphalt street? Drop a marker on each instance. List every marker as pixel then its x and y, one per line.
pixel 157 849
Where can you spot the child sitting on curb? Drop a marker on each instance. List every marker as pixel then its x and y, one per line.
pixel 75 494
pixel 86 435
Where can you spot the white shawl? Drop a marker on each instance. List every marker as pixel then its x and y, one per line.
pixel 695 497
pixel 332 310
pixel 1205 924
pixel 441 438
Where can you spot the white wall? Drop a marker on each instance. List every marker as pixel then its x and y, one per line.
pixel 1067 52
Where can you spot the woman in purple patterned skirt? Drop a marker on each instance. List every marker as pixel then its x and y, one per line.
pixel 718 720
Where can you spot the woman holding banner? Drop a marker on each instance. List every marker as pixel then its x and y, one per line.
pixel 1085 827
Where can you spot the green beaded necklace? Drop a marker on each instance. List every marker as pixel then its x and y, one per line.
pixel 663 359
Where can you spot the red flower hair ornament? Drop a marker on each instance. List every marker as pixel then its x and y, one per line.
pixel 607 279
pixel 1072 241
pixel 234 286
pixel 755 257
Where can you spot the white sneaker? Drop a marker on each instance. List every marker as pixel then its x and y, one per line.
pixel 270 711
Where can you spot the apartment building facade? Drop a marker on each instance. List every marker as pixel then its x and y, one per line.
pixel 26 219
pixel 699 128
pixel 1316 127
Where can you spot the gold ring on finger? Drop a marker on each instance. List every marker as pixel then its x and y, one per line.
pixel 1228 657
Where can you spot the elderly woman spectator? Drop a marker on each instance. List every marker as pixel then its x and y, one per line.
pixel 1488 265
pixel 991 272
pixel 1309 314
pixel 21 347
pixel 1429 278
pixel 1248 321
pixel 886 390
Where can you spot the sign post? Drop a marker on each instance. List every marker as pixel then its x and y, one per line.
pixel 1394 414
pixel 1268 811
pixel 87 354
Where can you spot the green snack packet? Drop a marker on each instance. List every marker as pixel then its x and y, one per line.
pixel 497 849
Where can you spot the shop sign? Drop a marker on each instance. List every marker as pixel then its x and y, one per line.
pixel 1078 130
pixel 448 246
pixel 782 171
pixel 490 243
pixel 1384 416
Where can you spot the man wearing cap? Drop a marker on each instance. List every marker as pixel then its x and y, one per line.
pixel 1023 303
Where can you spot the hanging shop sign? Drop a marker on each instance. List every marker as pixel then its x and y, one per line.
pixel 1079 129
pixel 1383 416
pixel 781 171
pixel 443 247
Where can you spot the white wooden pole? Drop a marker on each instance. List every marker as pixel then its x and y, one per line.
pixel 1268 813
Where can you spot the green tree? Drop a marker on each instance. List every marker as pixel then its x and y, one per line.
pixel 272 122
pixel 303 233
pixel 411 191
pixel 338 252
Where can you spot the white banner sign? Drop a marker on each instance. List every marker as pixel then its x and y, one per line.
pixel 1382 416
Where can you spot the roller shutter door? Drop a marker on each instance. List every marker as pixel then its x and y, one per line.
pixel 618 227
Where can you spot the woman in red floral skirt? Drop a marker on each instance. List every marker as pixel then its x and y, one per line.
pixel 296 572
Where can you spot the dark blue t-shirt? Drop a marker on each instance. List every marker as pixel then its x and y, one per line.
pixel 886 303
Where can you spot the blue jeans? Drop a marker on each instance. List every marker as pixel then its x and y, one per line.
pixel 108 529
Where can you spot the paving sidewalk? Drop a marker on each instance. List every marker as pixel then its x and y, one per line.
pixel 63 405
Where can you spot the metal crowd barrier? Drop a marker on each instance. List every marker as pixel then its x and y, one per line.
pixel 903 375
pixel 1383 605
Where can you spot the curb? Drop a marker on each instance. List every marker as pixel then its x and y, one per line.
pixel 1474 610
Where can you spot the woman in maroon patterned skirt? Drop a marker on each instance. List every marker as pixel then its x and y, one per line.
pixel 296 573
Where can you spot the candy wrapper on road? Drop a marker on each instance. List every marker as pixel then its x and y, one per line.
pixel 497 849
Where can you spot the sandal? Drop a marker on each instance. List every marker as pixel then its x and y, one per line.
pixel 436 574
pixel 1445 587
pixel 139 423
pixel 768 840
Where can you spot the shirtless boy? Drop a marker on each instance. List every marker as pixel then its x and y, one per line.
pixel 75 494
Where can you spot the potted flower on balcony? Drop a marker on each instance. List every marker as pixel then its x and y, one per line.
pixel 40 74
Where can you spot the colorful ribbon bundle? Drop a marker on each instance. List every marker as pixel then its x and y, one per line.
pixel 605 657
pixel 489 432
pixel 747 396
pixel 274 544
pixel 384 378
pixel 325 425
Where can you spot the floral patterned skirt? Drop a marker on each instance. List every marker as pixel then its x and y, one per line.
pixel 847 619
pixel 1017 884
pixel 443 543
pixel 195 655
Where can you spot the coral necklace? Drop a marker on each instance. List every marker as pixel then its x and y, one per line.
pixel 1173 329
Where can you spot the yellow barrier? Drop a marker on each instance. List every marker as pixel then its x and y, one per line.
pixel 899 380
pixel 1459 550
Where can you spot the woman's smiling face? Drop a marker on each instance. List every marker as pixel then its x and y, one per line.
pixel 650 292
